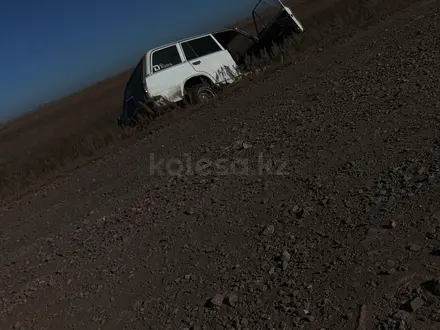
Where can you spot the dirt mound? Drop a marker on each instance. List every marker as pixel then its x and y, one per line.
pixel 308 200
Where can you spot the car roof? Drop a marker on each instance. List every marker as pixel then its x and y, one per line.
pixel 188 38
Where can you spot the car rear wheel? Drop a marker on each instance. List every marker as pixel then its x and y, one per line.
pixel 202 93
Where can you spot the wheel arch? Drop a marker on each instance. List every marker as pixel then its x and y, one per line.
pixel 195 80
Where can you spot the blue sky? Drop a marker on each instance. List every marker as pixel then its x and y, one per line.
pixel 52 48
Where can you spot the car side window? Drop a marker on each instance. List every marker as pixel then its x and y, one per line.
pixel 200 47
pixel 190 54
pixel 166 58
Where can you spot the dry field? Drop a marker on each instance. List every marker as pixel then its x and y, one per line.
pixel 69 132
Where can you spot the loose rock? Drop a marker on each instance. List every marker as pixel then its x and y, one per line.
pixel 436 215
pixel 433 286
pixel 216 301
pixel 268 231
pixel 414 304
pixel 16 325
pixel 247 146
pixel 285 256
pixel 392 224
pixel 414 248
pixel 232 299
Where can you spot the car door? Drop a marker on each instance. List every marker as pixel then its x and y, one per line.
pixel 208 57
pixel 168 71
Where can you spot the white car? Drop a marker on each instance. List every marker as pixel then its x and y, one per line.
pixel 193 69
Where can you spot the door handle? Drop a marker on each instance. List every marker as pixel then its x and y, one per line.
pixel 196 62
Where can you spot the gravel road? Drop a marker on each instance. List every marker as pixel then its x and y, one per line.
pixel 309 200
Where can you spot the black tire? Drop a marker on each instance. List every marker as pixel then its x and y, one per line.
pixel 201 93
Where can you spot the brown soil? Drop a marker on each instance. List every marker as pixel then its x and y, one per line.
pixel 345 215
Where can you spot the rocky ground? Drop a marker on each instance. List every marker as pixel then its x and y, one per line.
pixel 309 200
